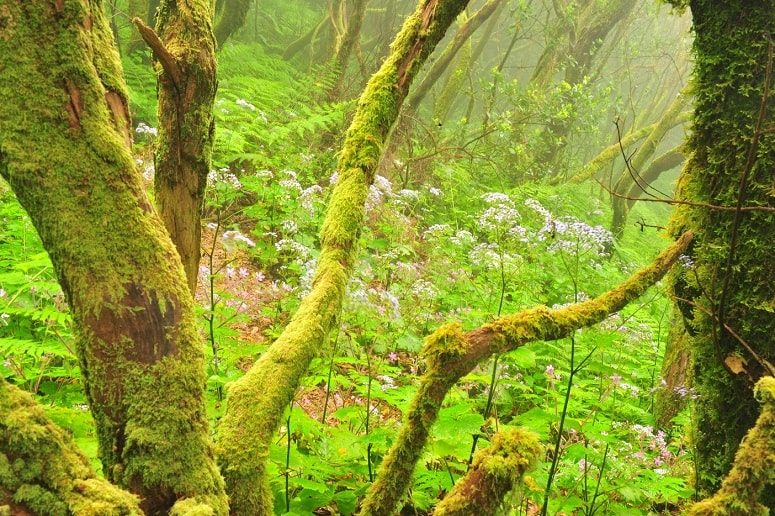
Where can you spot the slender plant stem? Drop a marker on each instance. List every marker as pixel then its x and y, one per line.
pixel 211 317
pixel 368 413
pixel 556 456
pixel 288 460
pixel 599 481
pixel 328 381
pixel 494 374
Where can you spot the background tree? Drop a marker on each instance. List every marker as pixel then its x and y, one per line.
pixel 184 52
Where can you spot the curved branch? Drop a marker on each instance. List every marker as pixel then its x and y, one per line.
pixel 450 354
pixel 493 474
pixel 257 400
pixel 168 61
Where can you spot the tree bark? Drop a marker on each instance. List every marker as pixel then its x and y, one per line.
pixel 493 474
pixel 184 51
pixel 726 297
pixel 754 465
pixel 64 149
pixel 257 400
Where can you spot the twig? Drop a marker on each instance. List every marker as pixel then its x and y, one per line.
pixel 767 209
pixel 168 61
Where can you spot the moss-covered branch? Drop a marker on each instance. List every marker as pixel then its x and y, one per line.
pixel 43 472
pixel 631 176
pixel 754 465
pixel 610 153
pixel 450 354
pixel 257 400
pixel 493 474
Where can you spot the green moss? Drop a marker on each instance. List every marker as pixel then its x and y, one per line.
pixel 256 401
pixel 451 354
pixel 443 345
pixel 42 470
pixel 731 54
pixel 754 465
pixel 492 475
pixel 65 154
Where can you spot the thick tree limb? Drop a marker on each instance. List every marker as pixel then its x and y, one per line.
pixel 257 400
pixel 139 347
pixel 450 354
pixel 42 471
pixel 754 465
pixel 493 474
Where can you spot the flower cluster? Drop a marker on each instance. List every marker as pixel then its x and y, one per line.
pixel 143 128
pixel 223 175
pixel 245 104
pixel 569 234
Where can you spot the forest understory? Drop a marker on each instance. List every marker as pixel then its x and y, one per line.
pixel 418 257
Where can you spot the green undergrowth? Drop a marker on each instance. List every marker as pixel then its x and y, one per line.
pixel 446 245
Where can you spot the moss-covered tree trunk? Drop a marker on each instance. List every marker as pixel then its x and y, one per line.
pixel 233 14
pixel 731 284
pixel 184 51
pixel 64 149
pixel 257 400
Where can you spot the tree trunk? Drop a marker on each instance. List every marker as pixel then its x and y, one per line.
pixel 184 51
pixel 730 288
pixel 64 149
pixel 42 471
pixel 463 34
pixel 345 45
pixel 233 16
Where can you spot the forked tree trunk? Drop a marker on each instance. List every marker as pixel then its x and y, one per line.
pixel 727 295
pixel 184 51
pixel 64 149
